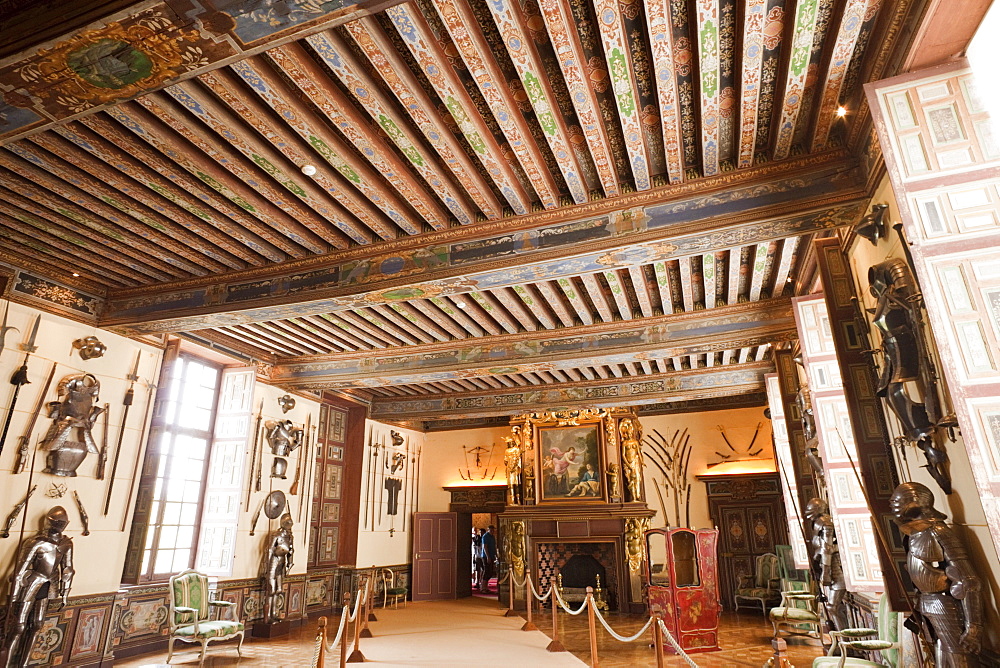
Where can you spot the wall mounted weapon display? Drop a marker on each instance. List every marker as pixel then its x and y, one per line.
pixel 126 406
pixel 908 379
pixel 294 489
pixel 12 517
pixel 286 403
pixel 18 380
pixel 478 452
pixel 84 518
pixel 24 439
pixel 738 455
pixel 69 439
pixel 283 437
pixel 90 347
pixel 672 458
pixel 56 491
pixel 253 455
pixel 102 457
pixel 150 389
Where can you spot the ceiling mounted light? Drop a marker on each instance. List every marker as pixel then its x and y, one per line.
pixel 308 170
pixel 75 274
pixel 460 304
pixel 841 112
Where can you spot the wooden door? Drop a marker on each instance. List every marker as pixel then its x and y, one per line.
pixel 434 556
pixel 750 514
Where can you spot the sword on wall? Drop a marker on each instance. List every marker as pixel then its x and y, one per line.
pixel 19 379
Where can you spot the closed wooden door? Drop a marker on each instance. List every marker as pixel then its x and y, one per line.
pixel 434 556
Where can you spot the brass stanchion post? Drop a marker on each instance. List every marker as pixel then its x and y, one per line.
pixel 510 594
pixel 658 636
pixel 371 600
pixel 365 610
pixel 356 656
pixel 343 639
pixel 592 623
pixel 529 600
pixel 555 645
pixel 321 633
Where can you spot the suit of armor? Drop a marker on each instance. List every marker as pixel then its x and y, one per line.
pixel 44 572
pixel 277 564
pixel 825 558
pixel 938 564
pixel 68 439
pixel 283 437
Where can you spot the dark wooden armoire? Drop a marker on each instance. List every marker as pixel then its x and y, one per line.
pixel 750 514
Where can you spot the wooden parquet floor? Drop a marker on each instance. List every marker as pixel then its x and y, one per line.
pixel 745 639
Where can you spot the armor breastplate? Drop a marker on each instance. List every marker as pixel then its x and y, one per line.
pixel 924 552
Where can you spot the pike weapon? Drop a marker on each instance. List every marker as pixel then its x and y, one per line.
pixel 3 326
pixel 367 483
pixel 17 511
pixel 308 444
pixel 294 489
pixel 138 454
pixel 416 502
pixel 126 406
pixel 19 379
pixel 102 457
pixel 84 518
pixel 24 439
pixel 371 474
pixel 258 443
pixel 405 480
pixel 253 454
pixel 381 487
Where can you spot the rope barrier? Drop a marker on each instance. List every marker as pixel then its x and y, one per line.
pixel 340 631
pixel 531 585
pixel 562 604
pixel 607 627
pixel 677 648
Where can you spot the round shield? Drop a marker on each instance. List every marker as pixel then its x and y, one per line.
pixel 274 504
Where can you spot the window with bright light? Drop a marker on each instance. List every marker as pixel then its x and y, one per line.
pixel 182 455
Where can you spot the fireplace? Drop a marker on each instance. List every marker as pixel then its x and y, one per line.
pixel 579 563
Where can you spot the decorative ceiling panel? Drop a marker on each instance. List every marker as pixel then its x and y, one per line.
pixel 338 181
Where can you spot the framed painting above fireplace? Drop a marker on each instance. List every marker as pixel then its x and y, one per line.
pixel 572 466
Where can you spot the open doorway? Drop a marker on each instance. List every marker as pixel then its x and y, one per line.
pixel 484 546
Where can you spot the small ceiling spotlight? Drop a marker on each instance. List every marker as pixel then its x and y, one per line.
pixel 309 170
pixel 841 112
pixel 460 304
pixel 75 275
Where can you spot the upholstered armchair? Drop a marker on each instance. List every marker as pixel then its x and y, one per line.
pixel 885 640
pixel 796 619
pixel 190 612
pixel 763 588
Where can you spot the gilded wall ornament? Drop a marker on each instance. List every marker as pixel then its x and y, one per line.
pixel 635 529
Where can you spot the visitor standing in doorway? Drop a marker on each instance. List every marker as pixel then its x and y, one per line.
pixel 490 558
pixel 477 558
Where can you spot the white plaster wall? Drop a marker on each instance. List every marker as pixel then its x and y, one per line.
pixel 443 458
pixel 377 546
pixel 99 557
pixel 706 439
pixel 250 549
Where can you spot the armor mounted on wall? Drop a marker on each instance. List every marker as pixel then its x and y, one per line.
pixel 908 378
pixel 283 436
pixel 69 438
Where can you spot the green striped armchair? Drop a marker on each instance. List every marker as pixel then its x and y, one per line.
pixel 190 615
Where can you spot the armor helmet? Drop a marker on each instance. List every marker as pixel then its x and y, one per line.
pixel 286 521
pixel 816 507
pixel 57 519
pixel 910 499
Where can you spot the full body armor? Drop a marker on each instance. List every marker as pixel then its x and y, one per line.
pixel 905 372
pixel 825 559
pixel 277 564
pixel 804 402
pixel 939 566
pixel 68 439
pixel 44 572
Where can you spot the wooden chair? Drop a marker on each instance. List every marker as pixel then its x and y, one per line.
pixel 390 590
pixel 763 588
pixel 190 611
pixel 797 620
pixel 886 640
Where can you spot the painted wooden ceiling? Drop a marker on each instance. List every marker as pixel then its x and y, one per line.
pixel 458 208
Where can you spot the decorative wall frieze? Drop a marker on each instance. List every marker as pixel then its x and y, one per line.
pixel 716 382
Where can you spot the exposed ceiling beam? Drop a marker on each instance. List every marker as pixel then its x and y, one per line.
pixel 420 268
pixel 688 385
pixel 610 344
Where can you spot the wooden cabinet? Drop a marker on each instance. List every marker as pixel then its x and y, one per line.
pixel 682 574
pixel 750 514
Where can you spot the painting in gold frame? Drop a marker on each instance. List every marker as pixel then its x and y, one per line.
pixel 571 465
